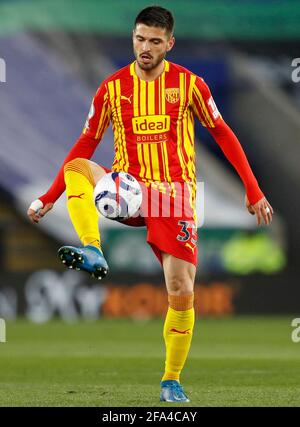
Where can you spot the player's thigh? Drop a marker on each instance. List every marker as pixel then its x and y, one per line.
pixel 174 236
pixel 179 274
pixel 173 240
pixel 97 171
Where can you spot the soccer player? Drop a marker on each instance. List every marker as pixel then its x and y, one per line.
pixel 151 104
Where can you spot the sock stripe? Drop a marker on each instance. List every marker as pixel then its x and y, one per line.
pixel 80 166
pixel 181 302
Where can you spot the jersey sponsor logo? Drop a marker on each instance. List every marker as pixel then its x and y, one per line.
pixel 187 331
pixel 153 139
pixel 146 125
pixel 172 95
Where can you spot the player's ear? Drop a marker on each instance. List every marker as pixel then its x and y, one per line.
pixel 171 43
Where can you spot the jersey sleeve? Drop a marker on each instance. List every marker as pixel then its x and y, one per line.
pixel 99 114
pixel 207 112
pixel 203 103
pixel 233 151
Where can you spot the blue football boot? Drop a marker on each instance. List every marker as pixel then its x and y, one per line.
pixel 87 258
pixel 172 391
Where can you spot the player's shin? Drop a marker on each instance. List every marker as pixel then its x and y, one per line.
pixel 178 331
pixel 80 201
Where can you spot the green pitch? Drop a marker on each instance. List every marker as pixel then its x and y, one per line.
pixel 245 361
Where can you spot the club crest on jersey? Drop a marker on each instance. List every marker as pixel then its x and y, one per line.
pixel 172 95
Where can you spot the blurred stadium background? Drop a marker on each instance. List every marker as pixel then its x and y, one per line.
pixel 55 61
pixel 56 54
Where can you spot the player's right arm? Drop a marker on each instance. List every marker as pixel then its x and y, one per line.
pixel 95 126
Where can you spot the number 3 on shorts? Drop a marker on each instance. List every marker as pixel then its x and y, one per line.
pixel 187 235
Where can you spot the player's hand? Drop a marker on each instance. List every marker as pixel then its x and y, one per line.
pixel 262 209
pixel 36 210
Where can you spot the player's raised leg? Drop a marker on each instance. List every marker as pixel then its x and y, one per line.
pixel 179 324
pixel 81 176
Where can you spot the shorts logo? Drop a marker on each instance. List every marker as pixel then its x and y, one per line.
pixel 192 248
pixel 151 124
pixel 172 95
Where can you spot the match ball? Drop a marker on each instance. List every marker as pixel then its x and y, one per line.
pixel 118 196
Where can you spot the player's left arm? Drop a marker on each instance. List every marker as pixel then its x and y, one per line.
pixel 205 108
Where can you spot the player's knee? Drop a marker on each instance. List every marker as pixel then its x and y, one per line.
pixel 80 165
pixel 180 284
pixel 74 164
pixel 97 171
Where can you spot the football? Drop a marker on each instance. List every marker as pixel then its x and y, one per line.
pixel 118 196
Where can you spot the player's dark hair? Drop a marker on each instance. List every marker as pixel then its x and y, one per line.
pixel 156 16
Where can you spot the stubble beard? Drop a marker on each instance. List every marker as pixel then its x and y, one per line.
pixel 150 66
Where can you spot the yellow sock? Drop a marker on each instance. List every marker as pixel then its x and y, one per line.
pixel 178 331
pixel 80 201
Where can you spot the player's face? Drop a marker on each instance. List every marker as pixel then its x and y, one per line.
pixel 150 45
